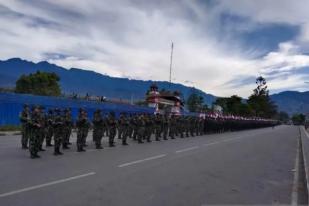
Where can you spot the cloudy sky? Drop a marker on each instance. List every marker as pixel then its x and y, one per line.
pixel 220 46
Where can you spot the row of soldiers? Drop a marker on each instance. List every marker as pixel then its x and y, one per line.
pixel 38 126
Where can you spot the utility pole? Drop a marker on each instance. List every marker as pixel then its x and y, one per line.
pixel 171 62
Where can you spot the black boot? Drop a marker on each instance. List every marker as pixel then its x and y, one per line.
pixel 36 156
pixel 99 147
pixel 65 146
pixel 41 149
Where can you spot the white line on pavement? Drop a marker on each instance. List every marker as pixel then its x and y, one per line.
pixel 45 184
pixel 187 149
pixel 218 142
pixel 142 160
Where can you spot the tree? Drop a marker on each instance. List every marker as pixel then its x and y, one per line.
pixel 298 119
pixel 195 102
pixel 222 102
pixel 283 117
pixel 260 101
pixel 234 105
pixel 39 83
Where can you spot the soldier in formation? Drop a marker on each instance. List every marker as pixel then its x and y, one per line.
pixel 57 125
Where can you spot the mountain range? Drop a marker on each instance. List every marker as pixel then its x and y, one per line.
pixel 81 81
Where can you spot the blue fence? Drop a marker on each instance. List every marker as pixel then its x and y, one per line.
pixel 11 105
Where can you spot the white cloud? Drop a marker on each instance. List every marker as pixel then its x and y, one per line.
pixel 132 39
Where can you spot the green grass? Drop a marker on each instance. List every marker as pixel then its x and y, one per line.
pixel 8 128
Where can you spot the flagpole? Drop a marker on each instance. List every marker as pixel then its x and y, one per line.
pixel 171 62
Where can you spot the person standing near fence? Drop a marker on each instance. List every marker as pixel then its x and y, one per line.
pixel 25 126
pixel 58 131
pixel 50 129
pixel 68 124
pixel 82 125
pixel 43 130
pixel 35 127
pixel 112 125
pixel 98 128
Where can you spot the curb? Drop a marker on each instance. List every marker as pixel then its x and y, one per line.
pixel 8 133
pixel 294 198
pixel 304 158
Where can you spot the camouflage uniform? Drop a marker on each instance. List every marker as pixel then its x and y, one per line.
pixel 165 125
pixel 141 129
pixel 134 123
pixel 172 127
pixel 112 125
pixel 98 129
pixel 120 127
pixel 35 127
pixel 68 125
pixel 158 125
pixel 50 130
pixel 148 128
pixel 82 125
pixel 43 127
pixel 25 121
pixel 58 131
pixel 124 123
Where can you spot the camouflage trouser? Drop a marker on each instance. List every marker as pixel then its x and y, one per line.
pixel 158 132
pixel 42 136
pixel 135 132
pixel 97 136
pixel 130 131
pixel 187 130
pixel 140 134
pixel 112 134
pixel 165 131
pixel 147 133
pixel 25 135
pixel 192 130
pixel 81 137
pixel 49 135
pixel 34 141
pixel 85 134
pixel 125 134
pixel 105 131
pixel 66 136
pixel 172 132
pixel 58 138
pixel 120 132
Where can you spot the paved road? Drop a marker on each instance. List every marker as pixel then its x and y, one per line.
pixel 247 167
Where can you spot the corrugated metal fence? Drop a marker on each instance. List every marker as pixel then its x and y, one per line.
pixel 11 105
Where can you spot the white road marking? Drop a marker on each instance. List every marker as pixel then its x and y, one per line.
pixel 218 142
pixel 45 184
pixel 142 160
pixel 209 144
pixel 187 149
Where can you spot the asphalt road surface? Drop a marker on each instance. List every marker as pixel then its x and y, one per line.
pixel 247 167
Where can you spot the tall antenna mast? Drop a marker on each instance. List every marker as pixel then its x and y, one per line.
pixel 171 62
